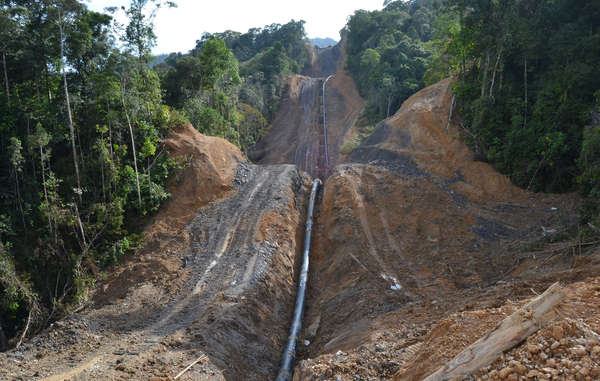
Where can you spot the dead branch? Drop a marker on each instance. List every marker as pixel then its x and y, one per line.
pixel 26 328
pixel 190 366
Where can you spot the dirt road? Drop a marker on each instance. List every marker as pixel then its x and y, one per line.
pixel 419 250
pixel 234 306
pixel 297 134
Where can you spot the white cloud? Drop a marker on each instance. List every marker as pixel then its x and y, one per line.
pixel 178 28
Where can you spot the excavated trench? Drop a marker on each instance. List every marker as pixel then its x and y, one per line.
pixel 410 229
pixel 216 281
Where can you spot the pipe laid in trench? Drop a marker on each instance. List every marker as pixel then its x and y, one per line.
pixel 325 123
pixel 287 363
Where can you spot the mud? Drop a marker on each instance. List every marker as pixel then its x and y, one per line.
pixel 419 250
pixel 417 232
pixel 231 298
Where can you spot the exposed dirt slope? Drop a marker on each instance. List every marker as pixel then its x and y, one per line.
pixel 222 286
pixel 208 168
pixel 296 136
pixel 209 165
pixel 418 231
pixel 419 249
pixel 325 61
pixel 420 131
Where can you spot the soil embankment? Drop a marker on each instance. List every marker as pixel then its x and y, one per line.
pixel 217 280
pixel 412 230
pixel 419 250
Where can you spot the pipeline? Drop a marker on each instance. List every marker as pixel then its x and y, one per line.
pixel 325 124
pixel 287 363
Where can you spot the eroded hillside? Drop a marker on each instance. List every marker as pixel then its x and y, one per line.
pixel 296 136
pixel 413 231
pixel 419 250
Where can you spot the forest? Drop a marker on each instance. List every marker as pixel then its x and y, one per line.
pixel 83 116
pixel 527 91
pixel 85 107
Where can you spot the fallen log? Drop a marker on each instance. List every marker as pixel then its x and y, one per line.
pixel 510 332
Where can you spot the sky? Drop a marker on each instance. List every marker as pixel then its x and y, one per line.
pixel 177 29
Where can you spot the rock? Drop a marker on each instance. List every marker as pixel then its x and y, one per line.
pixel 558 332
pixel 585 370
pixel 596 350
pixel 533 373
pixel 503 374
pixel 518 367
pixel 532 348
pixel 578 351
pixel 549 370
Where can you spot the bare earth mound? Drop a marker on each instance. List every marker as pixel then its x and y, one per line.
pixel 207 171
pixel 418 231
pixel 419 250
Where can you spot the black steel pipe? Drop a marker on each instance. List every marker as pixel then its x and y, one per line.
pixel 325 123
pixel 287 363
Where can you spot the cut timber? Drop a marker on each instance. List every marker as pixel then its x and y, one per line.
pixel 513 330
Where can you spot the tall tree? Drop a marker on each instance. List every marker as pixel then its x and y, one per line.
pixel 64 17
pixel 140 37
pixel 8 30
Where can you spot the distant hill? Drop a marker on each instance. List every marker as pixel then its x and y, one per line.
pixel 158 59
pixel 323 42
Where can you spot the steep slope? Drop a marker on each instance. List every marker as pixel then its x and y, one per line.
pixel 414 229
pixel 325 61
pixel 216 280
pixel 296 136
pixel 419 249
pixel 420 131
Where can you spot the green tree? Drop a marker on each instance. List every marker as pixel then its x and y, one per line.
pixel 386 53
pixel 110 105
pixel 139 33
pixel 525 94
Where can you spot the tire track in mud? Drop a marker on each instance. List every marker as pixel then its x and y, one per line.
pixel 230 267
